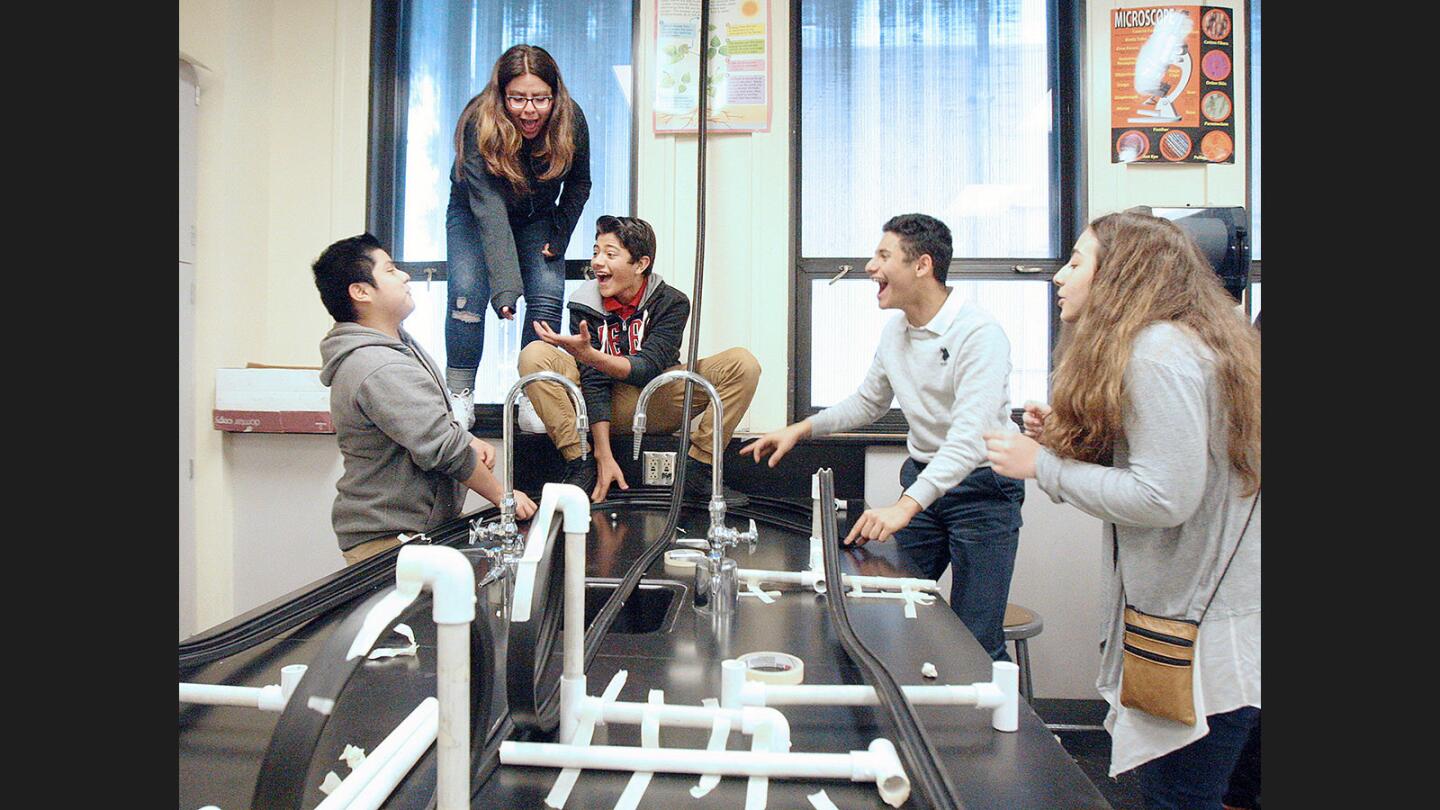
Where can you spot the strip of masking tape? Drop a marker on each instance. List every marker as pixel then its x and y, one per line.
pixel 719 733
pixel 682 559
pixel 821 802
pixel 332 781
pixel 773 667
pixel 752 588
pixel 560 791
pixel 649 738
pixel 758 787
pixel 353 755
pixel 390 652
pixel 911 597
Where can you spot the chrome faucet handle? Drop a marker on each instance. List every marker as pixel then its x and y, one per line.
pixel 749 536
pixel 723 537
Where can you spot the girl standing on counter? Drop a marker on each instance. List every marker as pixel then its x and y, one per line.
pixel 1154 427
pixel 520 180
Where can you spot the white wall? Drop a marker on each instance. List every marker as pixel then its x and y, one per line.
pixel 186 456
pixel 282 150
pixel 745 299
pixel 281 141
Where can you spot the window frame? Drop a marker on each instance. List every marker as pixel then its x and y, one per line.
pixel 1067 194
pixel 384 193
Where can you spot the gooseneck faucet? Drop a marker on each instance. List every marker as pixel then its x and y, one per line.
pixel 505 529
pixel 716 586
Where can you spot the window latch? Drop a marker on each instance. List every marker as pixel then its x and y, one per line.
pixel 1020 268
pixel 844 268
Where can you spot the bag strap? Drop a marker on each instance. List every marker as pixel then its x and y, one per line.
pixel 1115 550
pixel 1233 551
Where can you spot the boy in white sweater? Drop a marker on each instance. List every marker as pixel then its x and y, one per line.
pixel 947 364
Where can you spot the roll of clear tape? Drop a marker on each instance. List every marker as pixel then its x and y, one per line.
pixel 773 667
pixel 682 559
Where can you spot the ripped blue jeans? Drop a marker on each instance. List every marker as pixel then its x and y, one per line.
pixel 469 285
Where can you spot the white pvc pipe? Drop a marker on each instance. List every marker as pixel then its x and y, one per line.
pixel 290 676
pixel 393 770
pixel 817 554
pixel 253 697
pixel 574 504
pixel 425 713
pixel 752 720
pixel 270 698
pixel 574 627
pixel 1006 675
pixel 1001 694
pixel 452 671
pixel 980 695
pixel 879 763
pixel 816 579
pixel 451 580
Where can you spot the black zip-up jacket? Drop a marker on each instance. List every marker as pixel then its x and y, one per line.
pixel 650 338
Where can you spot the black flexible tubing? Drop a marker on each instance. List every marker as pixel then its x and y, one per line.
pixel 612 606
pixel 762 508
pixel 348 584
pixel 922 762
pixel 298 731
pixel 530 643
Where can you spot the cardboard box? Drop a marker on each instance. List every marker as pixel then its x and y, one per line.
pixel 271 399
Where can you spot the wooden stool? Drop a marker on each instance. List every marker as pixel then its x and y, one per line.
pixel 1022 623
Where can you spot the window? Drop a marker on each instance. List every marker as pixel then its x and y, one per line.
pixel 430 57
pixel 964 111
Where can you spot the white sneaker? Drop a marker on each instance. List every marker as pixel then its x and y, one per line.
pixel 526 418
pixel 462 405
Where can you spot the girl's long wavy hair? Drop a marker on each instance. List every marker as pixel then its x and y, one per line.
pixel 1148 269
pixel 498 138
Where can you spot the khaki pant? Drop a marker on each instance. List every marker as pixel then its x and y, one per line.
pixel 733 372
pixel 369 549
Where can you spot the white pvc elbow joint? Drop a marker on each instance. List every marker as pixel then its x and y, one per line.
pixel 572 502
pixel 883 765
pixel 449 575
pixel 757 719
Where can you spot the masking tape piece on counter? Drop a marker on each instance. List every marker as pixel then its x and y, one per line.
pixel 773 667
pixel 683 559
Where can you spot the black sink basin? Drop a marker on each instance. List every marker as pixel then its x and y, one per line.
pixel 651 607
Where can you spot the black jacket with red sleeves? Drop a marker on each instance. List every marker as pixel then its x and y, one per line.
pixel 650 338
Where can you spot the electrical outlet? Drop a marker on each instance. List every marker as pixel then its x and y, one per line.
pixel 659 468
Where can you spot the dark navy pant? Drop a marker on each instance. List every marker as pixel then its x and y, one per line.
pixel 975 529
pixel 1195 777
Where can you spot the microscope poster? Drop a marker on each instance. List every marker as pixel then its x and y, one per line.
pixel 737 48
pixel 1172 85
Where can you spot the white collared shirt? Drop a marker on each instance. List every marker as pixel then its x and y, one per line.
pixel 951 379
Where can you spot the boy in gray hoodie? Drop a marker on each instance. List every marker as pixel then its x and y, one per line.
pixel 407 461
